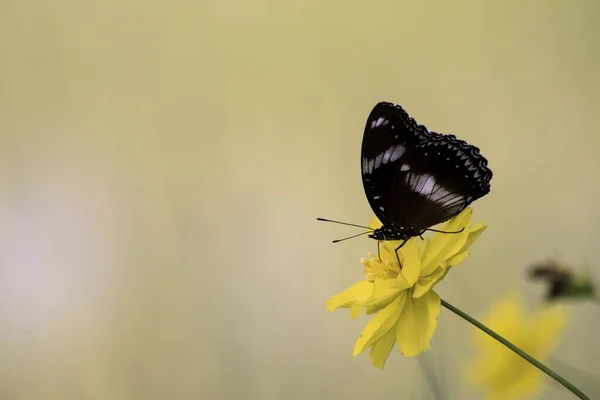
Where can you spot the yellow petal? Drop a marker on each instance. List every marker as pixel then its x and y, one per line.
pixel 499 371
pixel 388 249
pixel 446 270
pixel 355 310
pixel 457 259
pixel 417 323
pixel 383 293
pixel 525 385
pixel 504 317
pixel 380 324
pixel 474 234
pixel 411 263
pixel 382 348
pixel 553 320
pixel 356 294
pixel 505 376
pixel 375 223
pixel 448 264
pixel 424 245
pixel 445 245
pixel 375 268
pixel 426 283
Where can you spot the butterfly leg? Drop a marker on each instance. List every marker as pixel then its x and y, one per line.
pixel 378 253
pixel 435 230
pixel 396 251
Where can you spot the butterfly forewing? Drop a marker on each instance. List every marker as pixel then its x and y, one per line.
pixel 413 177
pixel 390 136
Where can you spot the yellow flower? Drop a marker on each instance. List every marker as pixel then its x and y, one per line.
pixel 501 373
pixel 401 296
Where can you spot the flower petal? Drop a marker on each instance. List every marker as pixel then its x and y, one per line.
pixel 411 262
pixel 426 283
pixel 381 349
pixel 553 320
pixel 388 250
pixel 448 264
pixel 501 373
pixel 375 223
pixel 417 323
pixel 457 259
pixel 355 310
pixel 425 245
pixel 474 234
pixel 380 324
pixel 375 268
pixel 443 245
pixel 383 293
pixel 356 294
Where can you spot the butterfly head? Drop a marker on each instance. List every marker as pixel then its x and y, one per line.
pixel 394 233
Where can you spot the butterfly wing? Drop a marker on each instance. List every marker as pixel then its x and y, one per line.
pixel 413 177
pixel 389 139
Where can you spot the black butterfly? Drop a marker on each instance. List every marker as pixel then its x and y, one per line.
pixel 414 178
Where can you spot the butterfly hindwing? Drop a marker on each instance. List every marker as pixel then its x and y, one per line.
pixel 413 177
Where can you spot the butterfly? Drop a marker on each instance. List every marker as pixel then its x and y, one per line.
pixel 414 178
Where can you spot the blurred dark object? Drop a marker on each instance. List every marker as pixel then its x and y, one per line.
pixel 432 376
pixel 562 281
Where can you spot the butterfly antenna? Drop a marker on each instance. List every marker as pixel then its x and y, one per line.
pixel 351 237
pixel 344 223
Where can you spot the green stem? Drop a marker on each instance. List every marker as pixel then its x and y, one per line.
pixel 570 387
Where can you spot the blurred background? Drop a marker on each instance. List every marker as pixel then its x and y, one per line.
pixel 162 165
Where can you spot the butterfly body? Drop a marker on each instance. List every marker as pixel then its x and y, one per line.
pixel 413 178
pixel 401 232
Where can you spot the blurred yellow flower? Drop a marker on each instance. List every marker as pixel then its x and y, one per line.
pixel 401 296
pixel 502 374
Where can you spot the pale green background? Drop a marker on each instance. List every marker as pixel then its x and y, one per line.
pixel 162 165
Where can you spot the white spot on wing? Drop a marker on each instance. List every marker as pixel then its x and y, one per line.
pixel 370 166
pixel 427 184
pixel 379 122
pixel 378 160
pixel 386 155
pixel 439 195
pixel 397 152
pixel 422 184
pixel 405 167
pixel 411 180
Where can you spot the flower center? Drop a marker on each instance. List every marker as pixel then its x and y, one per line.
pixel 376 268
